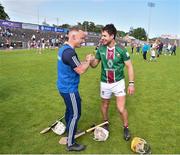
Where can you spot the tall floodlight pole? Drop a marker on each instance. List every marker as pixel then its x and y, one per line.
pixel 38 14
pixel 57 21
pixel 150 5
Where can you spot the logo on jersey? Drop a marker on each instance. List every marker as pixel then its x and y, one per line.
pixel 110 63
pixel 118 55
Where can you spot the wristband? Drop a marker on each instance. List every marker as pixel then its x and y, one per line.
pixel 131 83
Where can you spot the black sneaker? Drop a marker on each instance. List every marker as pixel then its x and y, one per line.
pixel 76 147
pixel 127 134
pixel 106 126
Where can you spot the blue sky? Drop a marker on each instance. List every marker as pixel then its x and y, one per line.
pixel 165 16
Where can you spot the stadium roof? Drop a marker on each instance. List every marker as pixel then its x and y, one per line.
pixel 170 36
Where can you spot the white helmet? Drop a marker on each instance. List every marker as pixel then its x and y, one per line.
pixel 59 128
pixel 101 134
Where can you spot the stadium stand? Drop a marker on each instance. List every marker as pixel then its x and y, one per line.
pixel 24 35
pixel 19 38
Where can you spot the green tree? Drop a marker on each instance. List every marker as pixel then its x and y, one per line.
pixel 98 28
pixel 79 25
pixel 131 30
pixel 65 26
pixel 85 26
pixel 121 33
pixel 91 27
pixel 3 14
pixel 139 33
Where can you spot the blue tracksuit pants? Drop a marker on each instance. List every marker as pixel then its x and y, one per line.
pixel 72 114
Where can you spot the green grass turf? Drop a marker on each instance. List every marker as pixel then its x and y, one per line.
pixel 29 102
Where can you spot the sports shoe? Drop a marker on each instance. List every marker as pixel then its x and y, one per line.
pixel 76 147
pixel 127 135
pixel 106 126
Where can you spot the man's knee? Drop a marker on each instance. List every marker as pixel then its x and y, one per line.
pixel 75 116
pixel 122 110
pixel 105 105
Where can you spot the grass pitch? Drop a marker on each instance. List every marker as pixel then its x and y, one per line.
pixel 29 102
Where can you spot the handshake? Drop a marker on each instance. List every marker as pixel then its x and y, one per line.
pixel 90 58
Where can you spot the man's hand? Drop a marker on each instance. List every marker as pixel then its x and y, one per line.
pixel 131 89
pixel 85 64
pixel 90 57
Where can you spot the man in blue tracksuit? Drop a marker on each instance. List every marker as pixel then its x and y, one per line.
pixel 69 70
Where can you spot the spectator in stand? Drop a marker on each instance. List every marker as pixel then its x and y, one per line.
pixel 56 42
pixel 8 32
pixel 47 44
pixel 33 38
pixel 53 41
pixel 7 43
pixel 29 45
pixel 38 46
pixel 1 32
pixel 23 35
pixel 43 43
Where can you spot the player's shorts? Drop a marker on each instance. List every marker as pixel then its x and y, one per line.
pixel 117 88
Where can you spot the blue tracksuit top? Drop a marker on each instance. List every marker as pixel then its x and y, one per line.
pixel 68 79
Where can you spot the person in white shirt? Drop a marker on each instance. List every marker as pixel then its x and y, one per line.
pixel 169 48
pixel 153 51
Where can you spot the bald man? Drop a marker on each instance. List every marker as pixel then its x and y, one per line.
pixel 69 71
